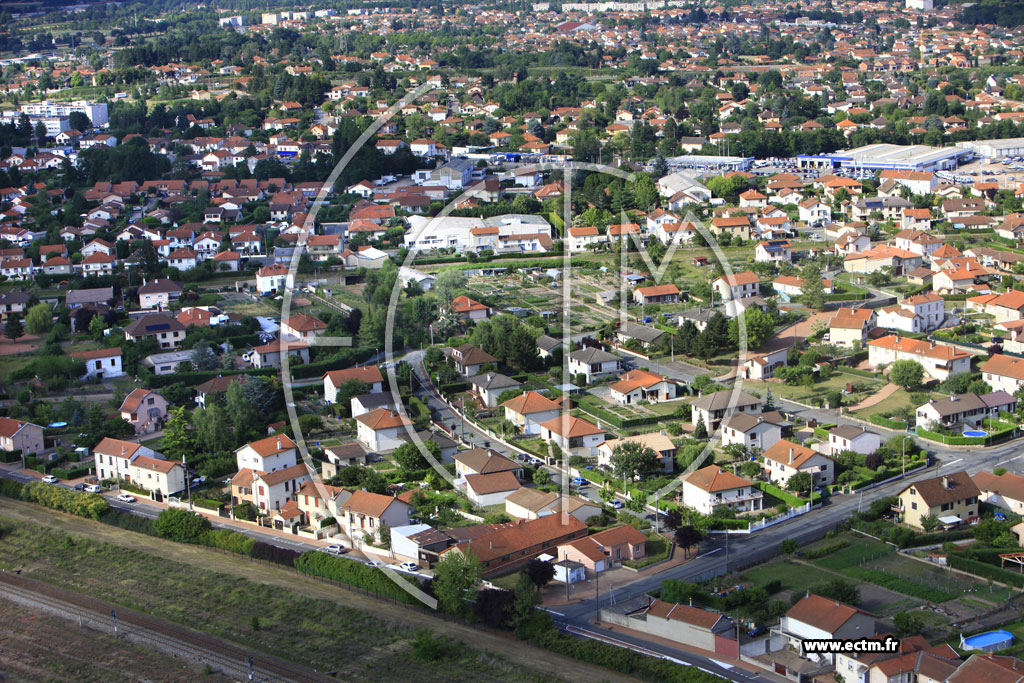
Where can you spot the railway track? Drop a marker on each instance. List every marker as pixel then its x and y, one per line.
pixel 150 631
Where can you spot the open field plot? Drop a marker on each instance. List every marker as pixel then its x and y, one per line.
pixel 817 391
pixel 899 400
pixel 313 632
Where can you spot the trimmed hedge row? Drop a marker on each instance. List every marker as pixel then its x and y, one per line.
pixel 899 425
pixel 350 573
pixel 984 570
pixel 961 440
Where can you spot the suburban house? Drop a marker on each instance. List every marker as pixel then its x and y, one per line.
pixel 469 361
pixel 785 458
pixel 939 361
pixel 851 438
pixel 643 335
pixel 790 286
pixel 319 501
pixel 656 294
pixel 593 363
pixel 850 326
pixel 270 491
pixel 1003 490
pixel 484 461
pixel 546 345
pixel 491 489
pixel 382 429
pixel 269 454
pixel 159 293
pixel 711 487
pixel 574 435
pixel 368 374
pixel 711 409
pixel 1003 373
pixel 270 355
pixel 364 513
pixel 490 386
pixel 510 545
pixel 736 286
pixel 659 442
pixel 952 499
pixel 606 549
pixel 700 628
pixel 468 309
pixel 814 617
pixel 139 465
pixel 751 431
pixel 968 410
pixel 365 403
pixel 773 251
pixel 303 327
pixel 100 363
pixel 18 435
pixel 532 503
pixel 921 313
pixel 167 331
pixel 1004 307
pixel 640 385
pixel 146 410
pixel 528 410
pixel 764 365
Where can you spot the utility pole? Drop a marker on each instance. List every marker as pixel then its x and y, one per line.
pixel 113 614
pixel 565 561
pixel 188 482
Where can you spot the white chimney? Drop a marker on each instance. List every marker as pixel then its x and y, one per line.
pixel 278 443
pixel 790 456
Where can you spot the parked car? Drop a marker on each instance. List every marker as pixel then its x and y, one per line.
pixel 617 504
pixel 579 481
pixel 50 479
pixel 336 549
pixel 78 487
pixel 410 566
pixel 93 488
pixel 125 498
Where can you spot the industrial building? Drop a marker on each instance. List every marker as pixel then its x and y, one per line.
pixel 995 149
pixel 882 157
pixel 710 164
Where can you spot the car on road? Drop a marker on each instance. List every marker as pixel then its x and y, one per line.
pixel 125 498
pixel 93 488
pixel 616 504
pixel 336 549
pixel 579 481
pixel 78 487
pixel 50 479
pixel 374 563
pixel 199 480
pixel 410 566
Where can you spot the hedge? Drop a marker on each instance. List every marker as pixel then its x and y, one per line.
pixel 454 388
pixel 825 550
pixel 881 421
pixel 961 440
pixel 986 571
pixel 788 498
pixel 90 505
pixel 351 573
pixel 71 473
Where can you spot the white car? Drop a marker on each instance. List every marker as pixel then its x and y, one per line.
pixel 93 488
pixel 126 498
pixel 50 479
pixel 410 566
pixel 616 504
pixel 336 549
pixel 374 563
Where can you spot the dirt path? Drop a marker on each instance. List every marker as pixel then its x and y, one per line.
pixel 876 398
pixel 522 654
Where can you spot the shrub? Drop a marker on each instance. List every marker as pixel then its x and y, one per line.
pixel 229 540
pixel 181 525
pixel 350 573
pixel 91 505
pixel 273 553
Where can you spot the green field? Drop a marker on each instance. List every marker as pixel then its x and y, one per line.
pixel 314 632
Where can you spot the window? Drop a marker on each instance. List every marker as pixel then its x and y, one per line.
pixel 913 506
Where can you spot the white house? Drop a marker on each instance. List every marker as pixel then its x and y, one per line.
pixel 269 454
pixel 490 386
pixel 712 408
pixel 367 374
pixel 816 618
pixel 100 363
pixel 593 363
pixel 773 251
pixel 785 458
pixel 528 410
pixel 750 431
pixel 573 435
pixel 850 438
pixel 491 489
pixel 270 279
pixel 736 286
pixel 640 385
pixel 711 487
pixel 382 429
pixel 939 361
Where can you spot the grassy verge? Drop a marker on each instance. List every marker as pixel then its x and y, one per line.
pixel 313 632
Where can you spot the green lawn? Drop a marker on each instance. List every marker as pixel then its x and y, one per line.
pixel 793 577
pixel 817 391
pixel 901 398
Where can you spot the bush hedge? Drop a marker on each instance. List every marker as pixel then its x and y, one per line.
pixel 881 421
pixel 985 571
pixel 272 553
pixel 91 505
pixel 351 573
pixel 825 550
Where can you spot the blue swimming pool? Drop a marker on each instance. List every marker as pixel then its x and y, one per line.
pixel 988 642
pixel 975 432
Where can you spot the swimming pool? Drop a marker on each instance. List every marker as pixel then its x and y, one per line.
pixel 988 642
pixel 975 432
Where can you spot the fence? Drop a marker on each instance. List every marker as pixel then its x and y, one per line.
pixel 766 522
